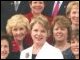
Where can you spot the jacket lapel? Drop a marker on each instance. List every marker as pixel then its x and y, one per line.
pixel 42 52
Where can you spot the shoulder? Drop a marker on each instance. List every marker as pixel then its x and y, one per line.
pixel 29 16
pixel 25 53
pixel 26 50
pixel 52 48
pixel 13 55
pixel 53 51
pixel 68 54
pixel 65 3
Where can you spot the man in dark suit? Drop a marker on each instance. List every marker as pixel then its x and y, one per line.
pixel 50 7
pixel 8 10
pixel 63 7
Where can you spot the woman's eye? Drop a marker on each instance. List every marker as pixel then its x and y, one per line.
pixel 43 31
pixel 15 29
pixel 36 30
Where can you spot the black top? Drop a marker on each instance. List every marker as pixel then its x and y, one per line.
pixel 33 56
pixel 13 55
pixel 68 54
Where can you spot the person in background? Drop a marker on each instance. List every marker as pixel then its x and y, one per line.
pixel 18 27
pixel 5 46
pixel 59 7
pixel 73 51
pixel 72 12
pixel 10 8
pixel 53 9
pixel 61 29
pixel 37 8
pixel 40 48
pixel 49 9
pixel 75 44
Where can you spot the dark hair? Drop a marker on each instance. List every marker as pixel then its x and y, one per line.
pixel 30 2
pixel 7 38
pixel 75 34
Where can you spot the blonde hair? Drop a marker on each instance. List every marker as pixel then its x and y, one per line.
pixel 42 20
pixel 70 5
pixel 15 20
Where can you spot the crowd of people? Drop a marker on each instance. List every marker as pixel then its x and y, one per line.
pixel 31 30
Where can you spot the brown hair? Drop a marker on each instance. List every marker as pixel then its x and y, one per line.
pixel 75 34
pixel 62 21
pixel 7 38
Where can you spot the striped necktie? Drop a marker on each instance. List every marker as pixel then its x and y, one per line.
pixel 56 9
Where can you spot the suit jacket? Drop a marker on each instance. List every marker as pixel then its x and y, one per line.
pixel 48 9
pixel 8 10
pixel 62 10
pixel 47 52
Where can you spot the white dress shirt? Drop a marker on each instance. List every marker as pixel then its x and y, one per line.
pixel 16 4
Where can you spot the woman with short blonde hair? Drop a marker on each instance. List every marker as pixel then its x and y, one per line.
pixel 70 5
pixel 40 48
pixel 17 20
pixel 18 27
pixel 72 12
